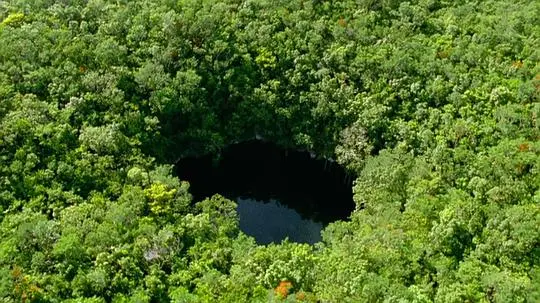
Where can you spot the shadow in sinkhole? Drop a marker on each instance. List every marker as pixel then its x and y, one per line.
pixel 280 193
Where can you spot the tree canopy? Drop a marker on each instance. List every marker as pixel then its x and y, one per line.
pixel 434 105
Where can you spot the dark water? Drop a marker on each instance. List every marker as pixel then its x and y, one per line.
pixel 280 193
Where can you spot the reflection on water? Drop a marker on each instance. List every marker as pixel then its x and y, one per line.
pixel 272 222
pixel 280 193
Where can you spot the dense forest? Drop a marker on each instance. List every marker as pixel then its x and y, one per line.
pixel 434 106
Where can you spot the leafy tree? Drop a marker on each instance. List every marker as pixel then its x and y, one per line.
pixel 433 105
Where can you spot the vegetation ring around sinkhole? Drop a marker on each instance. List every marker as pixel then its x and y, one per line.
pixel 433 105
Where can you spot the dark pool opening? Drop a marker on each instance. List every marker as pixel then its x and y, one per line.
pixel 280 193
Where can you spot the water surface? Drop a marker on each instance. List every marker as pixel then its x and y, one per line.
pixel 280 193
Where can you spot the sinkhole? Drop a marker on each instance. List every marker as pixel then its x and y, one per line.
pixel 280 192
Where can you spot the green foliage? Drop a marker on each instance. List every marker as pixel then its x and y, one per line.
pixel 13 19
pixel 433 105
